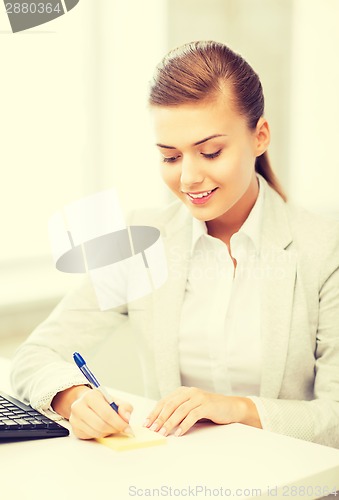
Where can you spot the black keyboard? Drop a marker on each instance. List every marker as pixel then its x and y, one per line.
pixel 18 420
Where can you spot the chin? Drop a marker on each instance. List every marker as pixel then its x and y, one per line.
pixel 201 214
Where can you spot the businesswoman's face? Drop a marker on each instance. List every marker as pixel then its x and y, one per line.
pixel 208 155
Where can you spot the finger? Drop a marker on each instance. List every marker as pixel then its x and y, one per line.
pixel 156 410
pixel 97 401
pixel 125 409
pixel 99 404
pixel 153 415
pixel 80 435
pixel 166 407
pixel 84 430
pixel 178 416
pixel 188 422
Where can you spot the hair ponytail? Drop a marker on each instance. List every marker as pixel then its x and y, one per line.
pixel 264 168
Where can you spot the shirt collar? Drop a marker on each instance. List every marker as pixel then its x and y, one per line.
pixel 250 228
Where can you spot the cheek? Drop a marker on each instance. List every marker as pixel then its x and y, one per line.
pixel 227 169
pixel 170 176
pixel 239 162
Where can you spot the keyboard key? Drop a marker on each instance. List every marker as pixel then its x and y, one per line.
pixel 37 424
pixel 21 421
pixel 21 414
pixel 10 423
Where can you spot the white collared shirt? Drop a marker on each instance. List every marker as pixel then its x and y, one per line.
pixel 219 339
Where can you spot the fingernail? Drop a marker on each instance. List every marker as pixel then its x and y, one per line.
pixel 163 431
pixel 154 427
pixel 178 432
pixel 146 423
pixel 127 416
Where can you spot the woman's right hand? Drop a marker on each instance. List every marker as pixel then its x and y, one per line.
pixel 89 413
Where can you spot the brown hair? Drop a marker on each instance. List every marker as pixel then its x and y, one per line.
pixel 199 71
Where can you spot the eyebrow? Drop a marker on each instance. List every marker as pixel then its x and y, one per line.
pixel 196 143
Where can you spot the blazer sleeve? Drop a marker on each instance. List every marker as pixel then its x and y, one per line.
pixel 43 364
pixel 316 420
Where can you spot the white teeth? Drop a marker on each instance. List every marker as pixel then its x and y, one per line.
pixel 200 195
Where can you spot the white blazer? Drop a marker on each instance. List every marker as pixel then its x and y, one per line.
pixel 299 393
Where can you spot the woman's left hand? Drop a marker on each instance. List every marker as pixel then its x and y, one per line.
pixel 186 405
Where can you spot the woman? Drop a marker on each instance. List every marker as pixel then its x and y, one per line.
pixel 246 328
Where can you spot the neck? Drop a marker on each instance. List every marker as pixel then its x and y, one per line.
pixel 231 221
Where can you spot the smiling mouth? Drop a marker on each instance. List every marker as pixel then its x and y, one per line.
pixel 204 194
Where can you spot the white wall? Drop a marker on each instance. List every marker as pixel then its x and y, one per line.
pixel 131 40
pixel 314 106
pixel 45 152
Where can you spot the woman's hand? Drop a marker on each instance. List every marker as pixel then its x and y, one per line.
pixel 89 413
pixel 186 405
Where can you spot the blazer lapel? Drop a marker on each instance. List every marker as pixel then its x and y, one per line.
pixel 279 271
pixel 168 302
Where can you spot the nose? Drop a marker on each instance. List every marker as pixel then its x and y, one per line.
pixel 191 174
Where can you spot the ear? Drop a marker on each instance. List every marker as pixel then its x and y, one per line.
pixel 262 136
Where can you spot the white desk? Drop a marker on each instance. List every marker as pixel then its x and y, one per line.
pixel 231 457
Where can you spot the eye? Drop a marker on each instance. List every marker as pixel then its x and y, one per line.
pixel 170 159
pixel 211 155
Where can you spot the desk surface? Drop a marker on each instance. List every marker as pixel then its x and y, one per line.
pixel 210 461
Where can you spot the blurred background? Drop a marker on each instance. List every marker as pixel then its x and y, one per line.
pixel 74 121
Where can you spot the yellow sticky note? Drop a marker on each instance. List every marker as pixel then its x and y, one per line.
pixel 143 438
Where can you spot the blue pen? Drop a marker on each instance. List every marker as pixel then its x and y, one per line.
pixel 81 364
